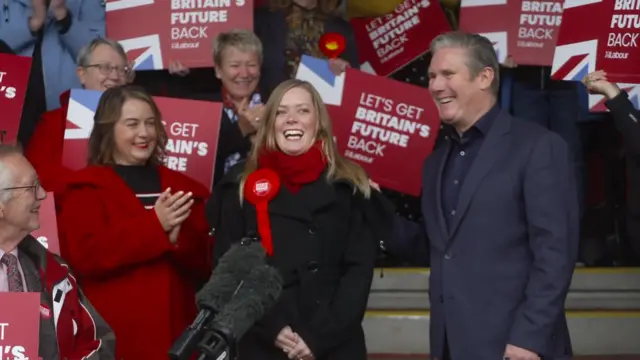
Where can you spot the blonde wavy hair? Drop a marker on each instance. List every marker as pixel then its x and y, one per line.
pixel 338 167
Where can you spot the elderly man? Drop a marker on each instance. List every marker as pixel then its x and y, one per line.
pixel 102 64
pixel 500 205
pixel 74 332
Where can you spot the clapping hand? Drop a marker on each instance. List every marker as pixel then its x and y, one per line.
pixel 59 9
pixel 249 118
pixel 178 69
pixel 173 209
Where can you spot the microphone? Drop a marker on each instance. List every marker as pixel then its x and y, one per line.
pixel 255 296
pixel 235 265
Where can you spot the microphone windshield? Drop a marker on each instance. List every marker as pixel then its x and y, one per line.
pixel 233 267
pixel 257 294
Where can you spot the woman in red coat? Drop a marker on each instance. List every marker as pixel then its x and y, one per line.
pixel 135 231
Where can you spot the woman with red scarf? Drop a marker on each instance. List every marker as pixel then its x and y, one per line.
pixel 320 223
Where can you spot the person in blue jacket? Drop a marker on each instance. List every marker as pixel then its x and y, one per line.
pixel 53 35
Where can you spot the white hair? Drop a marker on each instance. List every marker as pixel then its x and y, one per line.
pixel 7 177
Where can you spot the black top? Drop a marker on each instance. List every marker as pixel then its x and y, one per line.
pixel 463 151
pixel 144 181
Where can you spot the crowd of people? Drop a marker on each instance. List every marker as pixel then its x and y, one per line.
pixel 502 193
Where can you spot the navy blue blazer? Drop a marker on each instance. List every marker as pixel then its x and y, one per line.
pixel 501 275
pixel 271 27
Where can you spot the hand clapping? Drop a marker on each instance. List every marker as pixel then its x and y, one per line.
pixel 249 118
pixel 173 209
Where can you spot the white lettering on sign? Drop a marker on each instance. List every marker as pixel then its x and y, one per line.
pixel 628 5
pixel 389 33
pixel 380 122
pixel 182 143
pixel 15 351
pixel 190 19
pixel 625 27
pixel 538 22
pixel 8 91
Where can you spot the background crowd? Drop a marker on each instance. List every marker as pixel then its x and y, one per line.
pixel 251 78
pixel 55 40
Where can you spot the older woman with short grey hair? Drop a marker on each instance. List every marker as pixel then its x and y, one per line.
pixel 237 56
pixel 102 64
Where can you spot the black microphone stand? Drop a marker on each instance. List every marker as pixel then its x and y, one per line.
pixel 217 343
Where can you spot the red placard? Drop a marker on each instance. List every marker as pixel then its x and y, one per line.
pixel 388 127
pixel 387 43
pixel 156 32
pixel 598 35
pixel 19 325
pixel 14 77
pixel 192 127
pixel 526 30
pixel 47 235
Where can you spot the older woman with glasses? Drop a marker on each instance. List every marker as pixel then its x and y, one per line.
pixel 101 64
pixel 134 230
pixel 321 229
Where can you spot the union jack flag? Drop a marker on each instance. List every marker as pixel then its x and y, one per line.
pixel 578 44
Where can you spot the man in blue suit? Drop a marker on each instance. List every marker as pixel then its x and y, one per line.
pixel 500 205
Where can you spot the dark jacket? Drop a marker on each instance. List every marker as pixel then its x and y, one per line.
pixel 501 272
pixel 271 27
pixel 325 246
pixel 626 119
pixel 230 140
pixel 74 330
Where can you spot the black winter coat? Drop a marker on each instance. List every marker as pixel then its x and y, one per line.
pixel 325 239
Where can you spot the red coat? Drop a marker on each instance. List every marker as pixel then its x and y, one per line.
pixel 142 285
pixel 45 147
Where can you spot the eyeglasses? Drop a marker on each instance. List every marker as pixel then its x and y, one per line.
pixel 107 69
pixel 36 189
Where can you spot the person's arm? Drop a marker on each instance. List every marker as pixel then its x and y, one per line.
pixel 410 242
pixel 77 30
pixel 15 30
pixel 44 151
pixel 97 247
pixel 626 119
pixel 351 52
pixel 336 320
pixel 232 139
pixel 193 251
pixel 551 205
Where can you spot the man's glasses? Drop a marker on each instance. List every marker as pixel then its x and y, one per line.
pixel 107 69
pixel 36 189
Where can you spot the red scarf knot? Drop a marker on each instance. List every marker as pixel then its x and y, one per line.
pixel 295 171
